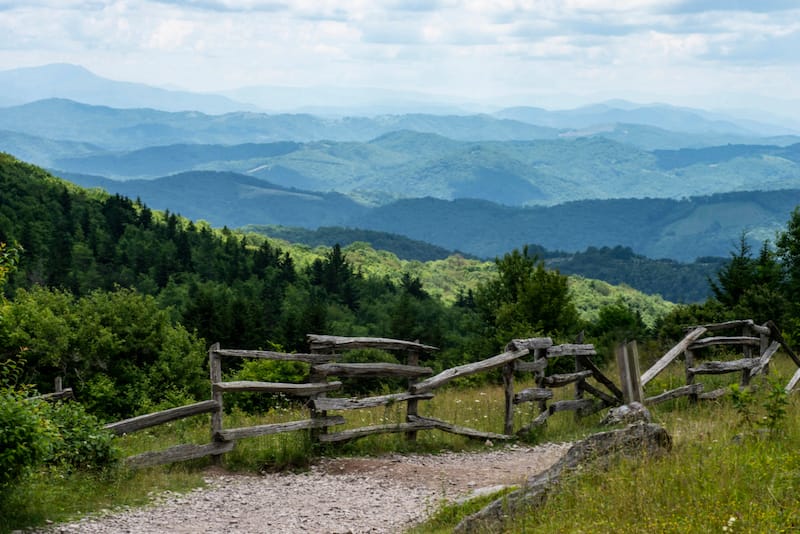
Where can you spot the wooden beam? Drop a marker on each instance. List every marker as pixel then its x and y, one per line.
pixel 53 397
pixel 763 361
pixel 719 368
pixel 725 340
pixel 727 325
pixel 776 333
pixel 336 403
pixel 322 343
pixel 372 369
pixel 300 390
pixel 559 380
pixel 609 400
pixel 466 370
pixel 673 353
pixel 438 424
pixel 179 453
pixel 531 344
pixel 532 395
pixel 571 349
pixel 530 367
pixel 348 435
pixel 153 419
pixel 683 391
pixel 566 405
pixel 793 382
pixel 280 356
pixel 234 434
pixel 600 377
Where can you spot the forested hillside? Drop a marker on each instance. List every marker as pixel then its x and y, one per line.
pixel 682 230
pixel 116 297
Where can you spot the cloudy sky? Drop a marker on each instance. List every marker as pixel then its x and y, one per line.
pixel 552 52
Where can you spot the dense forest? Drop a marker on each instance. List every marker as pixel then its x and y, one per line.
pixel 122 301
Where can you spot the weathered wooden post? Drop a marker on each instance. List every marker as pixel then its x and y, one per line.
pixel 58 387
pixel 508 387
pixel 314 377
pixel 688 357
pixel 215 370
pixel 579 384
pixel 747 351
pixel 764 342
pixel 628 363
pixel 412 358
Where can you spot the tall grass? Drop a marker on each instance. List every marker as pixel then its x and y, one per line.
pixel 728 472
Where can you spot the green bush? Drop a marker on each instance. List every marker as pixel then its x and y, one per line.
pixel 26 435
pixel 81 441
pixel 266 371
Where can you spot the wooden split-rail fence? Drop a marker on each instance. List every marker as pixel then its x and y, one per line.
pixel 757 344
pixel 592 391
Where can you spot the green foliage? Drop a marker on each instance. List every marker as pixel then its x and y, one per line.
pixel 26 436
pixel 617 322
pixel 526 299
pixel 81 442
pixel 673 280
pixel 766 410
pixel 266 371
pixel 402 247
pixel 119 350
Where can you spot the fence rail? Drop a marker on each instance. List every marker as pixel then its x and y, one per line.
pixel 593 390
pixel 520 356
pixel 758 344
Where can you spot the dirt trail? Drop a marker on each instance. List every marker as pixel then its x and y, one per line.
pixel 337 495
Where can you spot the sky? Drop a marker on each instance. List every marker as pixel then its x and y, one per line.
pixel 547 52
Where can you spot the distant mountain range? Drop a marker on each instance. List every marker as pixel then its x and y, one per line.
pixel 25 85
pixel 658 228
pixel 665 181
pixel 409 164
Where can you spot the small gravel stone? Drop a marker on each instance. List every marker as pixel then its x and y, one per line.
pixel 335 496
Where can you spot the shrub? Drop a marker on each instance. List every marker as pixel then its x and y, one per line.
pixel 266 371
pixel 26 435
pixel 81 441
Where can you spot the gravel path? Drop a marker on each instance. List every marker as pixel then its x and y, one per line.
pixel 337 495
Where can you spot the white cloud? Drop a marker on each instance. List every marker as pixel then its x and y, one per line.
pixel 469 47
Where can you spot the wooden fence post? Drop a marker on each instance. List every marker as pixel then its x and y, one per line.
pixel 58 386
pixel 747 351
pixel 508 386
pixel 628 363
pixel 688 357
pixel 412 358
pixel 215 371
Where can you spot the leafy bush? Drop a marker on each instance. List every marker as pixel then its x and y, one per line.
pixel 26 435
pixel 80 441
pixel 266 371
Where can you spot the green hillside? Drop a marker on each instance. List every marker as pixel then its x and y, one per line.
pixel 408 164
pixel 681 230
pixel 229 199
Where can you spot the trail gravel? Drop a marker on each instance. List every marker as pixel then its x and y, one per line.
pixel 386 494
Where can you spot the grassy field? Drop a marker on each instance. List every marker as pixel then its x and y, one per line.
pixel 734 467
